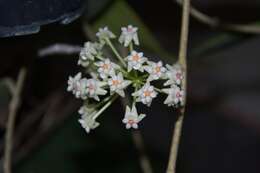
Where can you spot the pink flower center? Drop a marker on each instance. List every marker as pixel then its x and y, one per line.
pixel 147 93
pixel 105 66
pixel 115 82
pixel 157 69
pixel 135 57
pixel 178 94
pixel 131 122
pixel 178 75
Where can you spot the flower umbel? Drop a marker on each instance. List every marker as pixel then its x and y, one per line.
pixel 104 79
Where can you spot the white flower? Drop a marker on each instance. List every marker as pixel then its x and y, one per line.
pixel 104 33
pixel 106 68
pixel 93 88
pixel 73 83
pixel 156 70
pixel 175 96
pixel 87 54
pixel 118 84
pixel 135 61
pixel 88 123
pixel 174 75
pixel 145 94
pixel 132 118
pixel 129 34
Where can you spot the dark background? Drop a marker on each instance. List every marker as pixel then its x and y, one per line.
pixel 221 129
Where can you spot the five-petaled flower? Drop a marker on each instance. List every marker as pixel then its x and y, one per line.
pixel 174 75
pixel 132 118
pixel 88 122
pixel 93 88
pixel 74 82
pixel 128 35
pixel 135 61
pixel 104 33
pixel 87 53
pixel 106 68
pixel 146 94
pixel 175 96
pixel 118 84
pixel 156 70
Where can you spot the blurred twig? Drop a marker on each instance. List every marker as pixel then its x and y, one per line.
pixel 182 60
pixel 216 23
pixel 59 48
pixel 13 108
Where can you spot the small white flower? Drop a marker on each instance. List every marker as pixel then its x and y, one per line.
pixel 135 61
pixel 174 75
pixel 118 84
pixel 132 118
pixel 88 123
pixel 93 88
pixel 73 83
pixel 156 70
pixel 175 96
pixel 145 94
pixel 106 68
pixel 129 34
pixel 87 54
pixel 104 33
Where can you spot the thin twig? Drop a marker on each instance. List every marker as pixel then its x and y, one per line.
pixel 13 108
pixel 216 23
pixel 143 158
pixel 182 61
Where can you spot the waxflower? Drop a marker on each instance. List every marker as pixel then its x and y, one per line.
pixel 175 96
pixel 146 94
pixel 174 75
pixel 88 123
pixel 118 84
pixel 135 61
pixel 156 70
pixel 73 83
pixel 106 68
pixel 102 80
pixel 128 35
pixel 104 33
pixel 93 88
pixel 132 118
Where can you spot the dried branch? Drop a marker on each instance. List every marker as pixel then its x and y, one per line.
pixel 216 23
pixel 182 61
pixel 13 108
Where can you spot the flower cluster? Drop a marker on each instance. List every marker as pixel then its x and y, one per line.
pixel 104 79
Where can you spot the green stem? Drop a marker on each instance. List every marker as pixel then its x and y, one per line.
pixel 131 47
pixel 105 106
pixel 115 52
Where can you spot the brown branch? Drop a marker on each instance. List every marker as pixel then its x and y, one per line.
pixel 216 23
pixel 13 108
pixel 182 61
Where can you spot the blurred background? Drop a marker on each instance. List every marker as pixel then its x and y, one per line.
pixel 221 130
